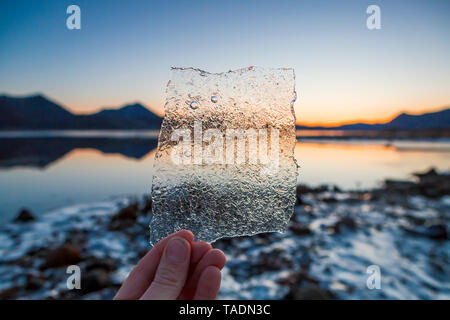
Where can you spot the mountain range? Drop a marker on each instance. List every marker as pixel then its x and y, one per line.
pixel 39 113
pixel 404 121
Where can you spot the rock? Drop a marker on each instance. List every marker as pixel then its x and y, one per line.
pixel 345 222
pixel 95 280
pixel 329 199
pixel 273 260
pixel 399 186
pixel 95 263
pixel 299 201
pixel 348 222
pixel 78 237
pixel 147 206
pixel 434 231
pixel 65 255
pixel 432 173
pixel 415 219
pixel 297 278
pixel 309 292
pixel 34 281
pixel 431 185
pixel 127 213
pixel 437 231
pixel 301 188
pixel 299 229
pixel 10 293
pixel 125 218
pixel 24 216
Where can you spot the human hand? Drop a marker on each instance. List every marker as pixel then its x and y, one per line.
pixel 175 268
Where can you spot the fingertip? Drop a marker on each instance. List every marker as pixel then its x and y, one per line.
pixel 203 244
pixel 217 258
pixel 172 271
pixel 178 250
pixel 208 284
pixel 186 234
pixel 199 249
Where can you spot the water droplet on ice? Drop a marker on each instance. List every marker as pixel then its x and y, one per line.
pixel 295 97
pixel 214 99
pixel 194 104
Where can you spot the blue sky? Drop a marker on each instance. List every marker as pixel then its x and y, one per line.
pixel 124 51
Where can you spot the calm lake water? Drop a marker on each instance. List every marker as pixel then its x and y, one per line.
pixel 44 171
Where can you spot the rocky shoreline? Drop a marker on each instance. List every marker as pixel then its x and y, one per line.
pixel 334 235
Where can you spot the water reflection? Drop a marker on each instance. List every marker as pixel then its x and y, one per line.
pixel 43 173
pixel 41 152
pixel 366 163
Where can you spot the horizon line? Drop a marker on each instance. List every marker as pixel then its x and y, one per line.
pixel 306 124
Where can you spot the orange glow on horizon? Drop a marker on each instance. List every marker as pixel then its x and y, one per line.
pixel 340 123
pixel 311 120
pixel 372 121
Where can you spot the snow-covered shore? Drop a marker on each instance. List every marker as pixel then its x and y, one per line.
pixel 333 237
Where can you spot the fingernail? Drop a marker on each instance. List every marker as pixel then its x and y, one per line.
pixel 177 251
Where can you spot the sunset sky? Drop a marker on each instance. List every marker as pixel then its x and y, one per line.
pixel 124 51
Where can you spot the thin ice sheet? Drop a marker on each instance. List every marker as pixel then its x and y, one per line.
pixel 225 162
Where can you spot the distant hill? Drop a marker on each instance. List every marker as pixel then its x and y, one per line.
pixel 39 113
pixel 31 113
pixel 433 120
pixel 404 121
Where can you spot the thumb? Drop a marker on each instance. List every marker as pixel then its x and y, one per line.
pixel 172 271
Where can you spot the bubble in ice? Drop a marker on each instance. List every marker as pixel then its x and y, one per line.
pixel 228 171
pixel 214 99
pixel 194 105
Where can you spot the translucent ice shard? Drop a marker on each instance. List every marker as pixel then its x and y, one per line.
pixel 225 164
